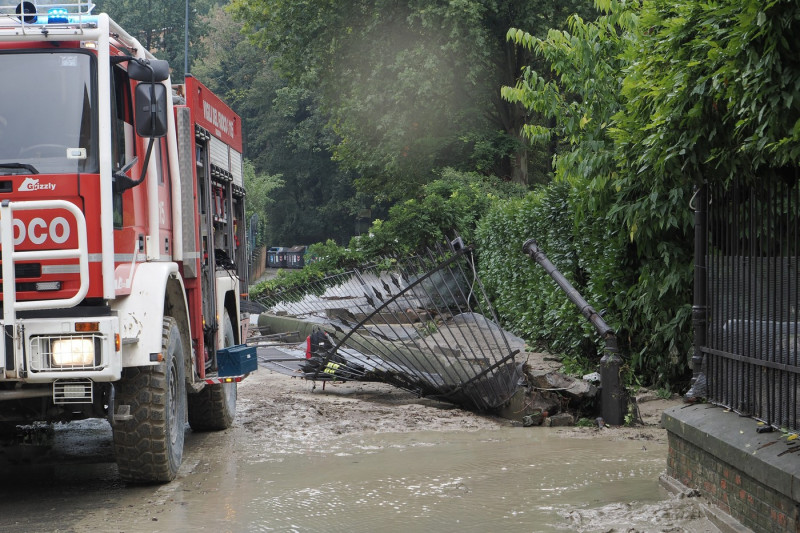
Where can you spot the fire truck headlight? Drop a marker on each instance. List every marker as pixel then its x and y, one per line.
pixel 75 351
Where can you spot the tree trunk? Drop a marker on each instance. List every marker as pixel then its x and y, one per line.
pixel 519 173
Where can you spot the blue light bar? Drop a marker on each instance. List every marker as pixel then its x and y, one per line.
pixel 57 15
pixel 60 16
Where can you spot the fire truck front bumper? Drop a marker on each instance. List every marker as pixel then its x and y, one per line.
pixel 44 350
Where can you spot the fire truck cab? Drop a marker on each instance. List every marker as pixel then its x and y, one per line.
pixel 121 218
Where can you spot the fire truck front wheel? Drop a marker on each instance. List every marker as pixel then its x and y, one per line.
pixel 214 407
pixel 149 445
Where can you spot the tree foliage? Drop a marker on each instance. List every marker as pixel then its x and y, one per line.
pixel 284 136
pixel 448 206
pixel 259 189
pixel 727 105
pixel 160 25
pixel 408 87
pixel 641 222
pixel 652 100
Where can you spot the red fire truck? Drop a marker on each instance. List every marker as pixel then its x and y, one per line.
pixel 121 219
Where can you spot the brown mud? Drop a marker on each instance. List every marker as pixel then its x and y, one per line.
pixel 357 457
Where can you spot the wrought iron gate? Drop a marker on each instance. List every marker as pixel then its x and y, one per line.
pixel 752 300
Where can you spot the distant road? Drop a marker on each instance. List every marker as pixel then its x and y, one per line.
pixel 268 274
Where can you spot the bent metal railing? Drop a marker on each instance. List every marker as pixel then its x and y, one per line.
pixel 422 323
pixel 746 309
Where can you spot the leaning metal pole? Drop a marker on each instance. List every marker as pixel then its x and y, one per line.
pixel 612 396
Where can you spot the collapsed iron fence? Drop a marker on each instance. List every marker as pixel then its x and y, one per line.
pixel 751 344
pixel 421 323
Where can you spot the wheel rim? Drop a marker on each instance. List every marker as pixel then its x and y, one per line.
pixel 172 398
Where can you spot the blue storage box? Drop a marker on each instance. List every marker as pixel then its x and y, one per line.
pixel 236 360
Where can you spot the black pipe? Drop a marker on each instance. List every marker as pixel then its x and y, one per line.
pixel 613 398
pixel 698 389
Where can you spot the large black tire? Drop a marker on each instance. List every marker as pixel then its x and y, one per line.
pixel 214 407
pixel 149 446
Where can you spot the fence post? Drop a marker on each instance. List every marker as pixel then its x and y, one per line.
pixel 699 204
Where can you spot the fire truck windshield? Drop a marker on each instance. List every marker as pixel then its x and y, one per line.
pixel 47 117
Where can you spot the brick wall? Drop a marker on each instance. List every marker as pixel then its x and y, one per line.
pixel 747 500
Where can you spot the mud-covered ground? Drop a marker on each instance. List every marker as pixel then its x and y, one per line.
pixel 288 412
pixel 345 458
pixel 292 414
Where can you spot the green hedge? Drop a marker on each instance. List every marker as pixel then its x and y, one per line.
pixel 526 299
pixel 452 204
pixel 646 300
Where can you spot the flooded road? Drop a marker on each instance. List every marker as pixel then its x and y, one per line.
pixel 509 480
pixel 351 460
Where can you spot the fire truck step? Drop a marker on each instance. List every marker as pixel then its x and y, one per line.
pixel 123 413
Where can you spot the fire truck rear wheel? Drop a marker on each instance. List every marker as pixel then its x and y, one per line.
pixel 149 446
pixel 214 407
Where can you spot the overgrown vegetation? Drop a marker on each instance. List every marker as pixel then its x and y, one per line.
pixel 608 120
pixel 638 107
pixel 650 101
pixel 630 228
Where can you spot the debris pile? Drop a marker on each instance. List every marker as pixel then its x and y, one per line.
pixel 550 398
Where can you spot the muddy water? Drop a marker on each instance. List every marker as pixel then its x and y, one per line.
pixel 509 479
pixel 512 479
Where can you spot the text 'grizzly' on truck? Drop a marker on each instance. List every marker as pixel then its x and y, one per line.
pixel 121 215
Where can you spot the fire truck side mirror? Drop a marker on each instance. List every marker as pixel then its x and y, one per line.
pixel 148 69
pixel 151 109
